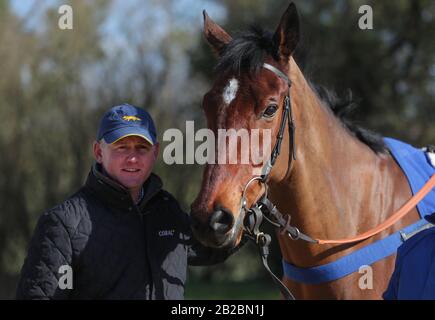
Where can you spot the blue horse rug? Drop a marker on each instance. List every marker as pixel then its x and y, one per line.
pixel 418 166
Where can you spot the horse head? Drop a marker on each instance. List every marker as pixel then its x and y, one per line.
pixel 249 93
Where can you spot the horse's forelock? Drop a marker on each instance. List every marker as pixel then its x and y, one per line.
pixel 247 52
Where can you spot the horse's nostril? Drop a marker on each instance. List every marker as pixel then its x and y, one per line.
pixel 221 221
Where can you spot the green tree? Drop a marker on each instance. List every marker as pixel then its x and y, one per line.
pixel 45 133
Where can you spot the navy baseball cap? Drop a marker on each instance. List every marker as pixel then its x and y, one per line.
pixel 126 120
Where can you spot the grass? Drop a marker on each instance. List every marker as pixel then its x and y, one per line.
pixel 249 290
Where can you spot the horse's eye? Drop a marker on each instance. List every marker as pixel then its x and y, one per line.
pixel 270 111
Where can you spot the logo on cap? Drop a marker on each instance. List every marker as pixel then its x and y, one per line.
pixel 131 118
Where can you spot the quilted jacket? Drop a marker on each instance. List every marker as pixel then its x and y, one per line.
pixel 113 248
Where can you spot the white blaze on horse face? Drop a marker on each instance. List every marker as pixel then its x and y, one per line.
pixel 230 91
pixel 228 95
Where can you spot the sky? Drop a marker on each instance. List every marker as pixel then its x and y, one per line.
pixel 188 12
pixel 131 21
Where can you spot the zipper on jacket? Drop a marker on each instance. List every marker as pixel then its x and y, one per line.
pixel 148 262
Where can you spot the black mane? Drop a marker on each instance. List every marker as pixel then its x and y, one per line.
pixel 342 108
pixel 247 52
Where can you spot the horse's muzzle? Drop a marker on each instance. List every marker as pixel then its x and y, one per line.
pixel 217 231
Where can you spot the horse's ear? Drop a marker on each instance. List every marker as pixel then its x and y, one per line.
pixel 286 36
pixel 216 37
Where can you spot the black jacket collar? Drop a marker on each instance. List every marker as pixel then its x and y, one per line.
pixel 430 218
pixel 115 195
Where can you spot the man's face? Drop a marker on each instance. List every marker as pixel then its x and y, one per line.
pixel 129 161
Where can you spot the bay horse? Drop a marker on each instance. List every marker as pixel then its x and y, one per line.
pixel 343 182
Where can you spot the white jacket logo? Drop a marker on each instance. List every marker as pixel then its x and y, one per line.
pixel 166 233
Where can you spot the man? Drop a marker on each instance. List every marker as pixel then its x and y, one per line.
pixel 121 236
pixel 414 274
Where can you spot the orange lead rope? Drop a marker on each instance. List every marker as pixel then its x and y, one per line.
pixel 391 220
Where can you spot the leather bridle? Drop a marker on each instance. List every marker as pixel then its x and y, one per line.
pixel 254 215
